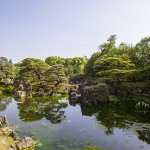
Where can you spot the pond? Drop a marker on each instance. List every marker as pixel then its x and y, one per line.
pixel 61 125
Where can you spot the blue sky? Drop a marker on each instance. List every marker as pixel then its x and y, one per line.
pixel 68 28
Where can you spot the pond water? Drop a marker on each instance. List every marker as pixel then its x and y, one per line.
pixel 60 125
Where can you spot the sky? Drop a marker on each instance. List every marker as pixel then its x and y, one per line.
pixel 68 28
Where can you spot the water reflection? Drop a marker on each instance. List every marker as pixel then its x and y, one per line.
pixel 4 102
pixel 130 115
pixel 36 108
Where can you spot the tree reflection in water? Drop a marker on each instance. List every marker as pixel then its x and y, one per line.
pixel 4 102
pixel 37 108
pixel 130 115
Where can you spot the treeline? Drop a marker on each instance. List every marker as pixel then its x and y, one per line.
pixel 111 63
pixel 54 68
pixel 120 63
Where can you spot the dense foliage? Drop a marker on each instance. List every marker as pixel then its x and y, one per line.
pixel 33 69
pixel 122 63
pixel 7 69
pixel 71 65
pixel 111 63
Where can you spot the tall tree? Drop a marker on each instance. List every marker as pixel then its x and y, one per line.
pixel 56 73
pixel 89 66
pixel 109 47
pixel 114 68
pixel 6 68
pixel 33 69
pixel 54 60
pixel 142 53
pixel 78 64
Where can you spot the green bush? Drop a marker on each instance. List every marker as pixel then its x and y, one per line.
pixel 9 89
pixel 97 93
pixel 1 90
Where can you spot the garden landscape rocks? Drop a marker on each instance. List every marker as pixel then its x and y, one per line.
pixel 19 94
pixel 3 121
pixel 12 147
pixel 24 143
pixel 90 93
pixel 15 143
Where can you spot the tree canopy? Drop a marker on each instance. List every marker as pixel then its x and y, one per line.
pixel 120 63
pixel 6 68
pixel 33 69
pixel 123 62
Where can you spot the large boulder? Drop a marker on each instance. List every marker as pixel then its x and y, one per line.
pixel 53 91
pixel 3 121
pixel 25 142
pixel 28 88
pixel 73 96
pixel 12 147
pixel 19 94
pixel 40 93
pixel 6 130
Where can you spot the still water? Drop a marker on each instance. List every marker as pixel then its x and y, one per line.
pixel 60 125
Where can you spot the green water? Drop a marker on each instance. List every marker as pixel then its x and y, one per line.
pixel 60 125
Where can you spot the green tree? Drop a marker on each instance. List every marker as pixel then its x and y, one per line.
pixel 33 69
pixel 56 73
pixel 109 47
pixel 6 68
pixel 89 66
pixel 144 74
pixel 72 65
pixel 54 60
pixel 78 64
pixel 142 53
pixel 114 68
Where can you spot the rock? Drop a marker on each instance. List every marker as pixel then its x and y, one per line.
pixel 61 112
pixel 53 91
pixel 3 142
pixel 19 94
pixel 14 135
pixel 43 84
pixel 73 96
pixel 3 121
pixel 40 93
pixel 6 130
pixel 20 87
pixel 9 81
pixel 28 88
pixel 11 147
pixel 24 143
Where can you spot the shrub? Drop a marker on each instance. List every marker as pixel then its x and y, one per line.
pixel 96 93
pixel 9 89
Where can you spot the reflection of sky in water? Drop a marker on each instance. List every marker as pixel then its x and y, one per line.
pixel 74 131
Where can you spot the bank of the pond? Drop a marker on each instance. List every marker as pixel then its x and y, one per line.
pixel 5 141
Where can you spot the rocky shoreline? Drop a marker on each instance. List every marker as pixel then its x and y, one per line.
pixel 9 140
